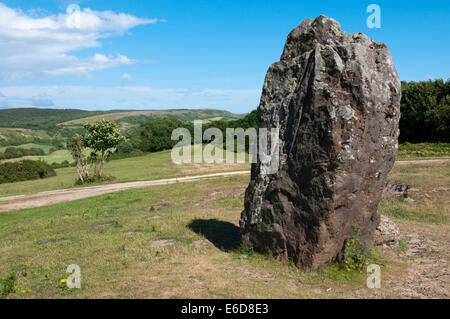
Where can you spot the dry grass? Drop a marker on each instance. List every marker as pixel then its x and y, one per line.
pixel 429 198
pixel 118 259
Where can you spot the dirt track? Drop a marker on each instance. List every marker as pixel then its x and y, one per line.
pixel 64 195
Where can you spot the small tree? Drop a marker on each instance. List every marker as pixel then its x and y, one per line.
pixel 102 136
pixel 76 147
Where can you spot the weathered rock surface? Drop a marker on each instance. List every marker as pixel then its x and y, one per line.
pixel 335 98
pixel 395 188
pixel 386 233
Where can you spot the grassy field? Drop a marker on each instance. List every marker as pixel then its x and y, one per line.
pixel 14 136
pixel 182 241
pixel 45 148
pixel 423 150
pixel 182 114
pixel 431 192
pixel 151 166
pixel 54 157
pixel 158 165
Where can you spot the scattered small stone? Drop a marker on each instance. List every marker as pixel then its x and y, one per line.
pixel 133 233
pixel 154 217
pixel 395 188
pixel 98 226
pixel 386 234
pixel 199 243
pixel 163 242
pixel 157 207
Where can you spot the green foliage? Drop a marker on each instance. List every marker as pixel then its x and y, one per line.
pixel 425 111
pixel 402 245
pixel 245 251
pixel 125 147
pixel 356 253
pixel 76 148
pixel 408 150
pixel 24 170
pixel 63 164
pixel 91 179
pixel 16 152
pixel 101 136
pixel 9 284
pixel 156 135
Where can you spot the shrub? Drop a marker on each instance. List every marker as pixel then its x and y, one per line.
pixel 15 152
pixel 356 253
pixel 9 284
pixel 91 179
pixel 125 148
pixel 63 164
pixel 24 170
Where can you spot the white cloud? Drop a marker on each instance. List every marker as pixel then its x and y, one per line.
pixel 126 77
pixel 42 45
pixel 130 97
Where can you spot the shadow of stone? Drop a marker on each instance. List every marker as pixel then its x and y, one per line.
pixel 224 235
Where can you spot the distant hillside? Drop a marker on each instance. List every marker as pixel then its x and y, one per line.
pixel 45 119
pixel 17 136
pixel 50 126
pixel 142 116
pixel 48 119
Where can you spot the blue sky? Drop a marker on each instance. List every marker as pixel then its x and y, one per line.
pixel 163 54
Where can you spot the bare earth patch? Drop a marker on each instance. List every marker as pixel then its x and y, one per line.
pixel 191 249
pixel 163 242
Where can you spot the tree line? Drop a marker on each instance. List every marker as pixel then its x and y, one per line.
pixel 425 112
pixel 425 117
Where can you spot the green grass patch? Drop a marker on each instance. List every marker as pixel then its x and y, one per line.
pixel 112 238
pixel 45 148
pixel 423 150
pixel 400 209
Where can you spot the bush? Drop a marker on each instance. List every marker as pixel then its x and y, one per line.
pixel 125 147
pixel 94 179
pixel 15 152
pixel 24 170
pixel 9 284
pixel 356 253
pixel 63 164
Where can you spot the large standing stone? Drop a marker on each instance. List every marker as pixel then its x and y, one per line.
pixel 335 98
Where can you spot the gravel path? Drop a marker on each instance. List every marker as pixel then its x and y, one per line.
pixel 64 195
